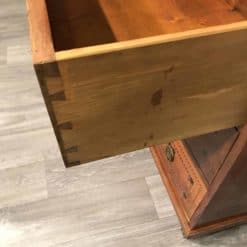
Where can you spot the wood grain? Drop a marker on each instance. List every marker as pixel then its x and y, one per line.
pixel 142 18
pixel 24 184
pixel 120 97
pixel 129 166
pixel 239 5
pixel 29 151
pixel 77 24
pixel 188 230
pixel 132 98
pixel 40 32
pixel 81 215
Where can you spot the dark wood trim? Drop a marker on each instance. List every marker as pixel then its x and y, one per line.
pixel 224 204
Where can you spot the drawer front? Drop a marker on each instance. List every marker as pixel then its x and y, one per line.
pixel 183 175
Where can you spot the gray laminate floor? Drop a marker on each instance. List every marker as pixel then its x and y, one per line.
pixel 114 202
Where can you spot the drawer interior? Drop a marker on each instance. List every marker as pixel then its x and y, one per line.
pixel 77 23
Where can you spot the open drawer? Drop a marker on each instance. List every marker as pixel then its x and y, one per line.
pixel 121 75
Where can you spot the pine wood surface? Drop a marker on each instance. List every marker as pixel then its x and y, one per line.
pixel 135 98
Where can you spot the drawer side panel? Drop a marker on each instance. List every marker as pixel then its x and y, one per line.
pixel 130 99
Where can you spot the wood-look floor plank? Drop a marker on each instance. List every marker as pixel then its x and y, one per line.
pixel 22 185
pixel 136 235
pixel 28 148
pixel 108 171
pixel 17 74
pixel 101 211
pixel 3 54
pixel 161 233
pixel 160 197
pixel 18 54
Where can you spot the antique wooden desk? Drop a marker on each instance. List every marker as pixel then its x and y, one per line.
pixel 121 75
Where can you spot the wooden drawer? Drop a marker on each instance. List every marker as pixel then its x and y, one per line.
pixel 118 76
pixel 183 175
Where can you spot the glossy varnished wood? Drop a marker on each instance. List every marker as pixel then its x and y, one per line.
pixel 43 204
pixel 76 24
pixel 143 18
pixel 223 203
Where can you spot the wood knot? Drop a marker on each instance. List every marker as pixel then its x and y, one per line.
pixel 59 96
pixel 66 126
pixel 157 97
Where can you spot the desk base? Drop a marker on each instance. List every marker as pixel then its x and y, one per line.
pixel 206 178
